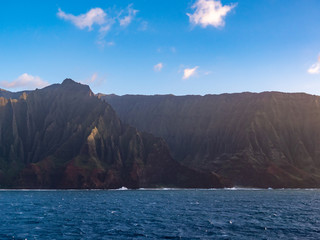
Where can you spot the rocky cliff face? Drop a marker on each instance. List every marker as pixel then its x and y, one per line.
pixel 63 136
pixel 13 95
pixel 269 139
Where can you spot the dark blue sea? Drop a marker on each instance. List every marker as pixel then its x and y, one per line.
pixel 160 214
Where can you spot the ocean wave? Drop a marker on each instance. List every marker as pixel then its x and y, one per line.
pixel 122 189
pixel 243 188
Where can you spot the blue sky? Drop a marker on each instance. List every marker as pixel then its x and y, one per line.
pixel 160 47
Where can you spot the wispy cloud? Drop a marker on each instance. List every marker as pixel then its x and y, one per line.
pixel 158 67
pixel 315 68
pixel 103 21
pixel 143 26
pixel 166 49
pixel 209 12
pixel 126 20
pixel 102 34
pixel 189 72
pixel 111 43
pixel 25 82
pixel 93 16
pixel 105 28
pixel 93 77
pixel 94 80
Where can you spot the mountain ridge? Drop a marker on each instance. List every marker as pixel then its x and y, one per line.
pixel 264 139
pixel 62 136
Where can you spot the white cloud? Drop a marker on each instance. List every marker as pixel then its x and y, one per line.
pixel 189 72
pixel 103 21
pixel 126 20
pixel 25 81
pixel 158 67
pixel 209 12
pixel 82 21
pixel 315 68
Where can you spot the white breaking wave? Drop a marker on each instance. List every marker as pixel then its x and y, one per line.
pixel 242 188
pixel 122 188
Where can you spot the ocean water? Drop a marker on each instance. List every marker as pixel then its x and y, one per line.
pixel 160 214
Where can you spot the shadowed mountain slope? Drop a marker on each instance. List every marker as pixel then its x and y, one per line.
pixel 269 139
pixel 62 136
pixel 13 95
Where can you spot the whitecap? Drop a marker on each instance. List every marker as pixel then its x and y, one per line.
pixel 243 188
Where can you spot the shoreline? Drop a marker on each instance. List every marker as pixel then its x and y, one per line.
pixel 161 189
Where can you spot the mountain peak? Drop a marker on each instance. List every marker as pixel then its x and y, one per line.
pixel 69 81
pixel 71 85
